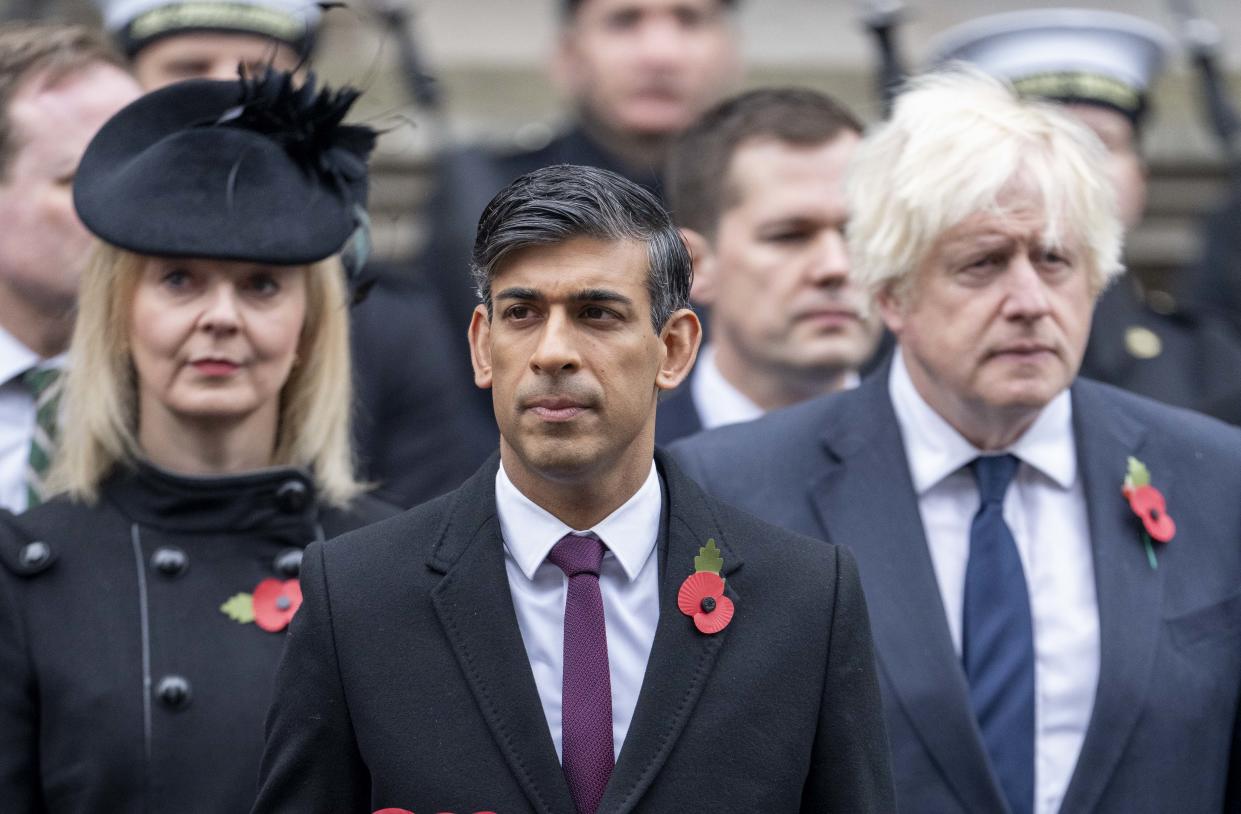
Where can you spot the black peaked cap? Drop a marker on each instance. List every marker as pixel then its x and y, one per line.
pixel 255 170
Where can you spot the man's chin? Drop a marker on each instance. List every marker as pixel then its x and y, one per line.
pixel 558 459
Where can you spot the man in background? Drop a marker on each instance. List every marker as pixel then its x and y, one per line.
pixel 58 85
pixel 757 187
pixel 1100 66
pixel 171 40
pixel 635 73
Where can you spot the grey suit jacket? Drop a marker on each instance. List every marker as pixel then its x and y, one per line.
pixel 405 682
pixel 1163 735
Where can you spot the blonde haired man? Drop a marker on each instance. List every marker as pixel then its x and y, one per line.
pixel 1032 605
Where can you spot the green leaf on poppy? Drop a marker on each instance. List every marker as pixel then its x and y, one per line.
pixel 709 558
pixel 239 608
pixel 1138 475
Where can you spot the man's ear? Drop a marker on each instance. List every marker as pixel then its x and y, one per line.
pixel 681 337
pixel 480 347
pixel 703 290
pixel 892 305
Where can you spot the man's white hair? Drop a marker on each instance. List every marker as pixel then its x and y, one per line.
pixel 957 140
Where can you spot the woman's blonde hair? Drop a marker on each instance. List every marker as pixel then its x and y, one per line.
pixel 100 418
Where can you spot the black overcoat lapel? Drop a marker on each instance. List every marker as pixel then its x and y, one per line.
pixel 681 658
pixel 866 501
pixel 475 607
pixel 1129 591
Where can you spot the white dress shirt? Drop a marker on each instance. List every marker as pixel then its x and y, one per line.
pixel 1045 508
pixel 628 582
pixel 718 402
pixel 17 418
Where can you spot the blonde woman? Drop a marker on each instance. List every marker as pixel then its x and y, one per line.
pixel 205 443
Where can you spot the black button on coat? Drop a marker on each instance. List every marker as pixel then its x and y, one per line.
pixel 123 686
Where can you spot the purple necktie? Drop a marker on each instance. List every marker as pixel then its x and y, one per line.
pixel 586 706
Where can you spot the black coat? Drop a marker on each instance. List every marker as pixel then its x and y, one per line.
pixel 1196 366
pixel 421 427
pixel 406 683
pixel 125 687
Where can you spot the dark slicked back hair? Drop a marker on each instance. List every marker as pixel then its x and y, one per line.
pixel 49 51
pixel 569 7
pixel 698 165
pixel 565 201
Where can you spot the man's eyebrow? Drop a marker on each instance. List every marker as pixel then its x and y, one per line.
pixel 585 295
pixel 600 295
pixel 518 293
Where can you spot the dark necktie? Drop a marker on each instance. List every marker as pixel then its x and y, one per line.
pixel 586 706
pixel 997 645
pixel 45 385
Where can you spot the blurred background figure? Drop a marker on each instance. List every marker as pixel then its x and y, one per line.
pixel 757 187
pixel 171 40
pixel 58 84
pixel 206 444
pixel 1100 66
pixel 635 73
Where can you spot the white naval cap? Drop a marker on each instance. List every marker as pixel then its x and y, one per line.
pixel 135 23
pixel 1071 55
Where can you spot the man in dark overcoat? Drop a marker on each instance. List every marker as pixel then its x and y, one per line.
pixel 1051 564
pixel 578 628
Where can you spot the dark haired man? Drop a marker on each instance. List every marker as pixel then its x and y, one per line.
pixel 58 85
pixel 635 73
pixel 757 187
pixel 526 643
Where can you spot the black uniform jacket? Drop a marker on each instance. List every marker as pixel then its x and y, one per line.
pixel 123 685
pixel 406 684
pixel 1189 360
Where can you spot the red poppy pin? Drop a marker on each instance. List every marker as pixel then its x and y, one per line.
pixel 271 606
pixel 1149 505
pixel 702 593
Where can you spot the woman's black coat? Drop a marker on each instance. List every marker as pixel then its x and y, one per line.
pixel 124 685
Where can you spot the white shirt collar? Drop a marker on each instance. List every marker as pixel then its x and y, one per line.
pixel 936 450
pixel 717 401
pixel 530 531
pixel 16 358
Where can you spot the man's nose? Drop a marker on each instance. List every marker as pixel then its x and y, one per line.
pixel 830 262
pixel 556 349
pixel 1026 295
pixel 661 42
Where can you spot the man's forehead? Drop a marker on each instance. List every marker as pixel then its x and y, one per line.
pixel 564 268
pixel 1025 221
pixel 611 7
pixel 576 256
pixel 768 164
pixel 48 100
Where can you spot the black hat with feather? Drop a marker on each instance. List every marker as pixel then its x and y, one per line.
pixel 260 170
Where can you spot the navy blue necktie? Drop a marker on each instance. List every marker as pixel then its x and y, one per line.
pixel 997 643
